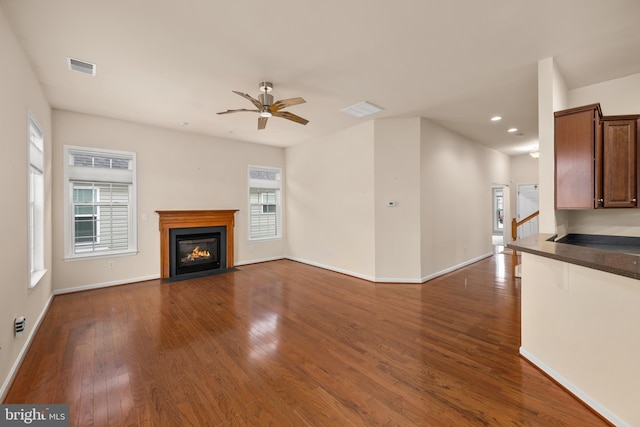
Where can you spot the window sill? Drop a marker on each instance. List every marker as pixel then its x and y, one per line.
pixel 99 255
pixel 36 277
pixel 262 239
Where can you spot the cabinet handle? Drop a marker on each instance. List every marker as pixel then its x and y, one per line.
pixel 633 200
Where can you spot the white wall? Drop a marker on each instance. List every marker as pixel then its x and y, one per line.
pixel 552 96
pixel 397 178
pixel 616 97
pixel 457 175
pixel 176 170
pixel 330 201
pixel 21 93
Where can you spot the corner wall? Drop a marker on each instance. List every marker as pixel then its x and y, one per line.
pixel 339 187
pixel 330 201
pixel 397 179
pixel 21 94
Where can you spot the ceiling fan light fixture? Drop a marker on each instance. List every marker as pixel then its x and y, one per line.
pixel 266 108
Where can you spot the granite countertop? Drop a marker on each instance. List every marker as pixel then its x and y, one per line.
pixel 617 262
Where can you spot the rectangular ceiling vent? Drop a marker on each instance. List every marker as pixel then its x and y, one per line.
pixel 83 67
pixel 362 109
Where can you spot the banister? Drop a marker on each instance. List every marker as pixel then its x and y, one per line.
pixel 514 235
pixel 515 224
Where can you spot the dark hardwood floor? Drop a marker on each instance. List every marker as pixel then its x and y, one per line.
pixel 286 344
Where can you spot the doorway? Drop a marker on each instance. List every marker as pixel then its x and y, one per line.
pixel 499 214
pixel 527 204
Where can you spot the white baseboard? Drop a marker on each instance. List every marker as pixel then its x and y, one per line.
pixel 456 267
pixel 391 279
pixel 105 284
pixel 588 400
pixel 23 350
pixel 331 268
pixel 257 261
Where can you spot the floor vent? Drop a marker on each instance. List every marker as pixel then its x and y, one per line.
pixel 19 325
pixel 81 66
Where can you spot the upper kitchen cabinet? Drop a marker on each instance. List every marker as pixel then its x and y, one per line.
pixel 596 160
pixel 620 162
pixel 578 148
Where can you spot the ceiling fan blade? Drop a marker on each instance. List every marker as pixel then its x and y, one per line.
pixel 249 98
pixel 262 122
pixel 283 103
pixel 238 111
pixel 290 116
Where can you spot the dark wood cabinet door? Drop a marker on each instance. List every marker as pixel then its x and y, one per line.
pixel 619 164
pixel 575 157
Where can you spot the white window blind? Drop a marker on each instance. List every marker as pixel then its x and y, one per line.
pixel 264 203
pixel 101 202
pixel 36 202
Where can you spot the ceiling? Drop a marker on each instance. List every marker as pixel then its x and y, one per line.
pixel 458 63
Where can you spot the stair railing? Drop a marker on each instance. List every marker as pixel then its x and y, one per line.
pixel 514 235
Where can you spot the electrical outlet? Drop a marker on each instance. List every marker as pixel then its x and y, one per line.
pixel 111 264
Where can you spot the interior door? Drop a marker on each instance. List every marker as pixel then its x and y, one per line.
pixel 527 204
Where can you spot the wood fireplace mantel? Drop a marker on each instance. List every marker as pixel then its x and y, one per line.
pixel 186 219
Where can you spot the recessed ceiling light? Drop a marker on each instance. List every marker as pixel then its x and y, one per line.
pixel 183 123
pixel 362 109
pixel 496 118
pixel 512 130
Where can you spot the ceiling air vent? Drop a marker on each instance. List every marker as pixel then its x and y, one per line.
pixel 81 66
pixel 362 109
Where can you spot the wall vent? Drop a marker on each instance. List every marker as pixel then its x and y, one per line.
pixel 19 325
pixel 83 67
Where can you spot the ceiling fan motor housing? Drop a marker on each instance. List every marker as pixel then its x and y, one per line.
pixel 266 99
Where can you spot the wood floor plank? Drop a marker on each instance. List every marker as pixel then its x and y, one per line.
pixel 286 344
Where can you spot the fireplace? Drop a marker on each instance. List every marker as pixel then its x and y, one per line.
pixel 195 243
pixel 197 250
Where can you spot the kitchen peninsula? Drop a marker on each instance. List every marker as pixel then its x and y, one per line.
pixel 580 317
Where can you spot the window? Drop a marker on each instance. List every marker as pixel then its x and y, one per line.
pixel 264 203
pixel 100 200
pixel 36 202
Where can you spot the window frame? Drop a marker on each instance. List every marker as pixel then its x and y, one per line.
pixel 35 200
pixel 269 185
pixel 99 176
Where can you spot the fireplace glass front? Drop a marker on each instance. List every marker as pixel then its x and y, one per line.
pixel 195 250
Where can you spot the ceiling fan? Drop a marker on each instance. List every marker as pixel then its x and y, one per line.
pixel 267 108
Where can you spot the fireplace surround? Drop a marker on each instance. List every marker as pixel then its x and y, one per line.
pixel 201 240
